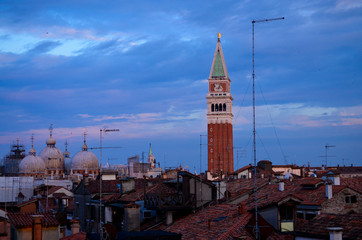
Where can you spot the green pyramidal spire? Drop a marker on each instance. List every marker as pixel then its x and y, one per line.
pixel 218 68
pixel 150 153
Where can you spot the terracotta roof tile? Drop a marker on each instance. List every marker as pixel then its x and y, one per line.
pixel 108 186
pixel 280 236
pixel 351 224
pixel 51 204
pixel 354 183
pixel 223 219
pixel 60 195
pixel 240 186
pixel 76 236
pixel 241 169
pixel 21 220
pixel 270 194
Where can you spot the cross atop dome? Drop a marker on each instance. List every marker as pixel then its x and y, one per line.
pixel 51 130
pixel 85 147
pixel 51 141
pixel 32 150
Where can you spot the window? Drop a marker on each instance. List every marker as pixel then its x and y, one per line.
pixel 92 212
pixel 216 108
pixel 286 212
pixel 286 218
pixel 65 202
pixel 224 107
pixel 212 107
pixel 310 215
pixel 350 199
pixel 220 107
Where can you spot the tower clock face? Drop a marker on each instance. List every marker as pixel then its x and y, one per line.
pixel 218 87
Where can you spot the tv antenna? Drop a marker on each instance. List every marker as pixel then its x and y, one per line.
pixel 327 147
pixel 254 148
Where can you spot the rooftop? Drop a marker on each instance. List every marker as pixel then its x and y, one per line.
pixel 22 220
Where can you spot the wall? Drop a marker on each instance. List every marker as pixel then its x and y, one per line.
pixel 243 173
pixel 51 233
pixel 68 184
pixel 295 171
pixel 108 214
pixel 4 230
pixel 132 219
pixel 337 203
pixel 31 207
pixel 271 216
pixel 206 192
pixel 10 186
pixel 24 234
pixel 127 185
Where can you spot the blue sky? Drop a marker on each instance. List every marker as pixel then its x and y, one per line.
pixel 142 67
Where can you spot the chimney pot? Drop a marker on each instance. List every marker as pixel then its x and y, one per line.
pixel 75 226
pixel 329 193
pixel 335 233
pixel 281 186
pixel 37 227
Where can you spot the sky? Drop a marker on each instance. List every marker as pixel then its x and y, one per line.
pixel 142 67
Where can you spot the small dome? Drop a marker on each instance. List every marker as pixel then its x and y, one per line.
pixel 84 160
pixel 32 164
pixel 32 151
pixel 51 141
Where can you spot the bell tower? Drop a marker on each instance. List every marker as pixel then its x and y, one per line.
pixel 219 116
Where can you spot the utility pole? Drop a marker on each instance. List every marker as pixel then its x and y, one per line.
pixel 201 167
pixel 105 130
pixel 255 185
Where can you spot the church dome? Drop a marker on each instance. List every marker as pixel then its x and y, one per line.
pixel 84 160
pixel 52 156
pixel 32 163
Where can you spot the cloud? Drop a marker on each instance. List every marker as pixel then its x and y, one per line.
pixel 345 5
pixel 84 115
pixel 119 117
pixel 43 47
pixel 297 115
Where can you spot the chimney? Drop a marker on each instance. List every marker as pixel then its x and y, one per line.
pixel 169 217
pixel 75 226
pixel 132 217
pixel 37 227
pixel 329 193
pixel 281 186
pixel 335 233
pixel 241 208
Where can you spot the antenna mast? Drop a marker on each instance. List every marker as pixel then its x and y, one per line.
pixel 255 184
pixel 105 130
pixel 327 146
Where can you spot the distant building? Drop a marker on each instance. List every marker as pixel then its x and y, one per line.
pixel 11 187
pixel 12 161
pixel 219 116
pixel 33 226
pixel 139 169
